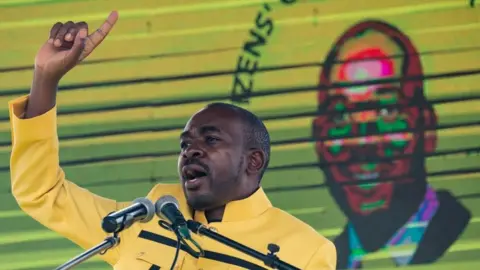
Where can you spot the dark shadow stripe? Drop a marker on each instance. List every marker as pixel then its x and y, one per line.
pixel 322 165
pixel 208 254
pixel 228 96
pixel 210 98
pixel 291 188
pixel 223 97
pixel 279 142
pixel 200 52
pixel 269 92
pixel 469 196
pixel 257 93
pixel 408 130
pixel 171 178
pixel 85 161
pixel 132 58
pixel 152 180
pixel 319 165
pixel 179 127
pixel 390 179
pixel 154 267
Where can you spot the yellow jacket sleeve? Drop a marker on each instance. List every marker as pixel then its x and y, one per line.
pixel 325 258
pixel 40 188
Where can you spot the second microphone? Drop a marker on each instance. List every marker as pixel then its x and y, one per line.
pixel 167 208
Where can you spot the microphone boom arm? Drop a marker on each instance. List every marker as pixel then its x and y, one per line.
pixel 101 248
pixel 270 259
pixel 141 210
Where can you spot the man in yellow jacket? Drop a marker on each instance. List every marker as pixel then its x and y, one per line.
pixel 224 153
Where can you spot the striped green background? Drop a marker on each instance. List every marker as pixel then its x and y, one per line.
pixel 172 50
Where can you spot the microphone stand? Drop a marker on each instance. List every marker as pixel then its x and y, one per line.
pixel 269 259
pixel 101 248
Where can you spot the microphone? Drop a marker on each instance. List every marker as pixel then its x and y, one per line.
pixel 167 208
pixel 142 210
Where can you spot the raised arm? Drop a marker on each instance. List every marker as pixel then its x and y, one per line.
pixel 38 182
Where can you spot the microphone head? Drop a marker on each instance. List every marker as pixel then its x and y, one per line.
pixel 149 206
pixel 162 202
pixel 109 224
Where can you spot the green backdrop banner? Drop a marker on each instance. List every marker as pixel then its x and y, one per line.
pixel 373 109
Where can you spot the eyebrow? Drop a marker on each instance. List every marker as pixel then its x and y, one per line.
pixel 203 130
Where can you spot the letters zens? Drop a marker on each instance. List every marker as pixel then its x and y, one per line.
pixel 247 62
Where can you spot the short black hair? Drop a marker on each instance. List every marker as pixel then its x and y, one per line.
pixel 256 133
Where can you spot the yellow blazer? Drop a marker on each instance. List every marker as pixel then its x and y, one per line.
pixel 41 190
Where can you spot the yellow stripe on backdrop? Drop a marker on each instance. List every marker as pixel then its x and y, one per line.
pixel 337 20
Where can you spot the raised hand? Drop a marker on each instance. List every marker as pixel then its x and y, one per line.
pixel 69 44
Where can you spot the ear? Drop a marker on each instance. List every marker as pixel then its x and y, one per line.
pixel 256 160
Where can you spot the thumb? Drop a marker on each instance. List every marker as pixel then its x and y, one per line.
pixel 78 46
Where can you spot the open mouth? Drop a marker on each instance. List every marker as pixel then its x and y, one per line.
pixel 191 175
pixel 367 177
pixel 192 172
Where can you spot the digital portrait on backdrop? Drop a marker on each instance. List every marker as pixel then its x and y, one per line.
pixel 373 110
pixel 382 134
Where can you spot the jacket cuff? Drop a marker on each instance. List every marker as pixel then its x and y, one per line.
pixel 37 128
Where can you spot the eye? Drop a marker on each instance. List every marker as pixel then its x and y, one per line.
pixel 211 140
pixel 183 145
pixel 388 113
pixel 341 118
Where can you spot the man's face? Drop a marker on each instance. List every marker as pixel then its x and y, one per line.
pixel 210 162
pixel 378 133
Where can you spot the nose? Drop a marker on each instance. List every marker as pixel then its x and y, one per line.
pixel 365 152
pixel 368 128
pixel 193 152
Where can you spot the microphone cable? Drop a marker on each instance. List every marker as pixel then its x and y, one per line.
pixel 177 250
pixel 180 241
